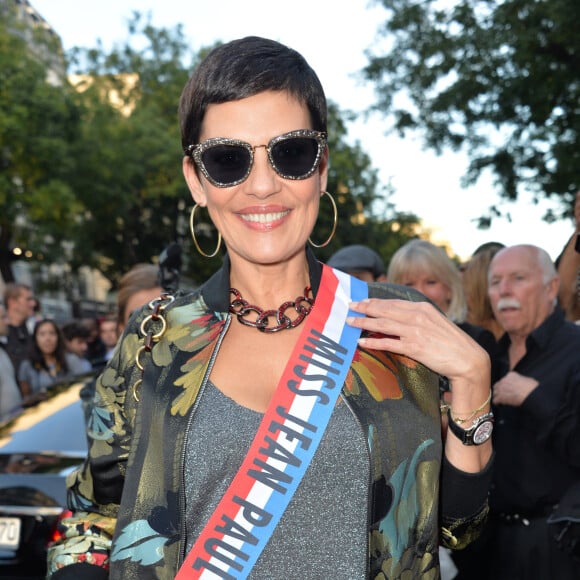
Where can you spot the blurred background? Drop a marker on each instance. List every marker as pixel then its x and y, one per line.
pixel 452 121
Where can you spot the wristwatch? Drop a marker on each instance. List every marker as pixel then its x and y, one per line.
pixel 478 433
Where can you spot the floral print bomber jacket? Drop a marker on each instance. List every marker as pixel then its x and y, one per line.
pixel 128 500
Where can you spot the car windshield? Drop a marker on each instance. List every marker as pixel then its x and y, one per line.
pixel 54 425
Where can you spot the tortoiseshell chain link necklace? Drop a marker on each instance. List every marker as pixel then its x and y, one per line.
pixel 302 305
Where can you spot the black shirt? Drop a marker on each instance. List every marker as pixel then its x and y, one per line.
pixel 486 340
pixel 18 344
pixel 537 445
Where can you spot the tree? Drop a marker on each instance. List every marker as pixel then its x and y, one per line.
pixel 497 78
pixel 365 215
pixel 129 160
pixel 99 159
pixel 38 128
pixel 135 198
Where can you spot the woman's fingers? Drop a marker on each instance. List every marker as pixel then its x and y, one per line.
pixel 419 331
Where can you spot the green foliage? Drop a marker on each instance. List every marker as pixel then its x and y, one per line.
pixel 38 127
pixel 94 165
pixel 497 78
pixel 129 160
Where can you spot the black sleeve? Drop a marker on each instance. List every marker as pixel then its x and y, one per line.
pixel 78 571
pixel 463 494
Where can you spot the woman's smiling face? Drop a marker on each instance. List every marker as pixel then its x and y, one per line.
pixel 266 219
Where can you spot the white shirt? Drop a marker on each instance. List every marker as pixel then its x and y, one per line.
pixel 10 396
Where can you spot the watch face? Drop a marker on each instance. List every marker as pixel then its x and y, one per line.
pixel 483 432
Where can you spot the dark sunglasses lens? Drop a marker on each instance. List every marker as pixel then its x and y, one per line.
pixel 295 156
pixel 226 163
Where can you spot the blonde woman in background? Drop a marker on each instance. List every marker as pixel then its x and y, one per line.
pixel 474 277
pixel 421 265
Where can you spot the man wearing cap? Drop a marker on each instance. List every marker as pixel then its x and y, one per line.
pixel 359 261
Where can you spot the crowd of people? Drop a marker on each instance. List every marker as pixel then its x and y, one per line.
pixel 511 301
pixel 36 352
pixel 452 433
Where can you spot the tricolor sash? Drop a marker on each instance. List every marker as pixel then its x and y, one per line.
pixel 289 434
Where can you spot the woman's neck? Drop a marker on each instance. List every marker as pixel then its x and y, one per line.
pixel 268 286
pixel 50 359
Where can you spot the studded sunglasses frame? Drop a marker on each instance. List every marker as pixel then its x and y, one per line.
pixel 196 153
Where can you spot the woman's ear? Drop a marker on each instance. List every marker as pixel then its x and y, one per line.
pixel 193 181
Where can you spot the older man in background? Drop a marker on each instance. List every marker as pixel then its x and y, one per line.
pixel 537 416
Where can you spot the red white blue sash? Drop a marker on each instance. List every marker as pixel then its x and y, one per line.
pixel 288 436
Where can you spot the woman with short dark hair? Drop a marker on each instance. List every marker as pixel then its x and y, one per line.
pixel 275 423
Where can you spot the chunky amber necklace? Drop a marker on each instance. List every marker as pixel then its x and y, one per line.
pixel 241 308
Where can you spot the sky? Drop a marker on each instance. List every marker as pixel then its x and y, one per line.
pixel 333 37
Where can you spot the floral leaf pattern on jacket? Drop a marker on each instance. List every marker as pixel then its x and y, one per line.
pixel 99 423
pixel 140 543
pixel 369 365
pixel 403 518
pixel 404 534
pixel 192 338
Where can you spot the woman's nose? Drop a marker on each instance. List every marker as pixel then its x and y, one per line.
pixel 263 180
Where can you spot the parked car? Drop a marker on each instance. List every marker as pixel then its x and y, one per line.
pixel 39 447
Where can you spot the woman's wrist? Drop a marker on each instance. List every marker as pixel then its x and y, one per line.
pixel 470 396
pixel 471 415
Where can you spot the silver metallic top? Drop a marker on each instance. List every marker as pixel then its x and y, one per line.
pixel 323 533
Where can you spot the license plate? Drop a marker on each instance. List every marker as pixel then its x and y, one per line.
pixel 9 533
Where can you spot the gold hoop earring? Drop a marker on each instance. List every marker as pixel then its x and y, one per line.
pixel 192 230
pixel 335 218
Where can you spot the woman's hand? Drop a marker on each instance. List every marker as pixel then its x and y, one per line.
pixel 420 331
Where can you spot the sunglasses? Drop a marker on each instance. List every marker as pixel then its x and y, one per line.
pixel 228 162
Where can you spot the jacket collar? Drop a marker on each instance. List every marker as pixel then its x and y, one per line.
pixel 216 291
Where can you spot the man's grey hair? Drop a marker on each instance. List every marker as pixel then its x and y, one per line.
pixel 546 264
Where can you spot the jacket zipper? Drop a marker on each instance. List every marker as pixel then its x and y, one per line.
pixel 202 387
pixel 370 481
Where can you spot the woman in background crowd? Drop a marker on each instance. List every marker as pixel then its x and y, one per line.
pixel 474 278
pixel 426 267
pixel 47 363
